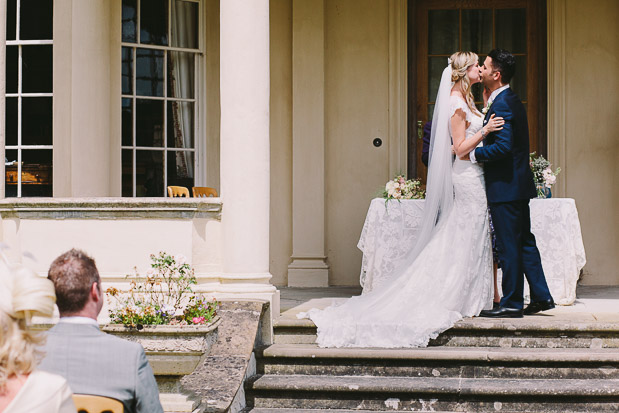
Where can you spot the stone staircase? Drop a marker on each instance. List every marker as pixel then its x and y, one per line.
pixel 480 365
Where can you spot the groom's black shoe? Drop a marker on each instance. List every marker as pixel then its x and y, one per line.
pixel 502 312
pixel 538 306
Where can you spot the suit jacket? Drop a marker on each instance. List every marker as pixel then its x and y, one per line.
pixel 100 364
pixel 505 154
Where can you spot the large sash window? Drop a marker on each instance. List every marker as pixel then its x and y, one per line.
pixel 28 118
pixel 160 62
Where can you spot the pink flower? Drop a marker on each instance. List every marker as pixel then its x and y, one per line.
pixel 198 320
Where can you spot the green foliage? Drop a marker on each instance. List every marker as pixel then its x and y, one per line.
pixel 163 296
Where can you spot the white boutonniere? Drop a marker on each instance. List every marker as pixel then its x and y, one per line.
pixel 487 108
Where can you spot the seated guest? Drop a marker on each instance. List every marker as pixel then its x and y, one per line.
pixel 94 362
pixel 23 388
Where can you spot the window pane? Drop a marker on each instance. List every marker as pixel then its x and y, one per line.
pixel 149 123
pixel 477 30
pixel 11 121
pixel 127 172
pixel 519 81
pixel 180 168
pixel 154 22
pixel 511 30
pixel 36 123
pixel 10 156
pixel 11 19
pixel 36 20
pixel 149 173
pixel 11 68
pixel 185 24
pixel 127 71
pixel 36 174
pixel 37 69
pixel 127 122
pixel 149 68
pixel 181 75
pixel 443 31
pixel 130 21
pixel 436 65
pixel 180 125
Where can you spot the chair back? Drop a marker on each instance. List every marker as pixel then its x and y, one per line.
pixel 178 191
pixel 203 191
pixel 87 403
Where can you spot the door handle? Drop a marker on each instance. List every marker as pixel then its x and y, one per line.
pixel 420 129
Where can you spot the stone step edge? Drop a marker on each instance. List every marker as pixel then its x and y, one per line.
pixel 292 410
pixel 434 386
pixel 485 354
pixel 485 324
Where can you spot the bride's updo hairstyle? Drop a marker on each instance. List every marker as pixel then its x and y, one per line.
pixel 460 62
pixel 23 294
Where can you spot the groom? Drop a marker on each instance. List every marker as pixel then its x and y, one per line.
pixel 509 186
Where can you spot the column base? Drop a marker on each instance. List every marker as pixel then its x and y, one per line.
pixel 308 272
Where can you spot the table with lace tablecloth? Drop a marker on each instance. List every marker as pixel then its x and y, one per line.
pixel 390 230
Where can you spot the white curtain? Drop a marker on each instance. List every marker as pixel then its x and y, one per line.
pixel 182 74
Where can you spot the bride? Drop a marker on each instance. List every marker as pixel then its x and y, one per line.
pixel 448 273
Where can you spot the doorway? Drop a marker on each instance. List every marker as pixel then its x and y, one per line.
pixel 438 28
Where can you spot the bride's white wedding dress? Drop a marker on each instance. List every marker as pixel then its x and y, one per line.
pixel 451 278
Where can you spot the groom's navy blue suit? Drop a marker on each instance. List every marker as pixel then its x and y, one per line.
pixel 509 186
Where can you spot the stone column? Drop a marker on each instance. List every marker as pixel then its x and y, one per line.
pixel 308 267
pixel 2 91
pixel 244 150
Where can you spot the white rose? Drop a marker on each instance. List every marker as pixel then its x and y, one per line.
pixel 389 187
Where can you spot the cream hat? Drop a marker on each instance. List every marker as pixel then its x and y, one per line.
pixel 23 293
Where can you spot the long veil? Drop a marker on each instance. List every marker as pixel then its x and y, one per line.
pixel 439 186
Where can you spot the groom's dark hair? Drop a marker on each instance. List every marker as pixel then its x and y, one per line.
pixel 503 62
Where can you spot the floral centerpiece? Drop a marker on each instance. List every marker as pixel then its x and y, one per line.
pixel 543 175
pixel 163 296
pixel 401 188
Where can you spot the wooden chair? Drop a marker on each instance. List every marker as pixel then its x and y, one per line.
pixel 87 403
pixel 178 191
pixel 203 191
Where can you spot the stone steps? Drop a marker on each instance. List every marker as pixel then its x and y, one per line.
pixel 481 365
pixel 428 394
pixel 475 362
pixel 529 332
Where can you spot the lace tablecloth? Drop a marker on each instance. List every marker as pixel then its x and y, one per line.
pixel 390 230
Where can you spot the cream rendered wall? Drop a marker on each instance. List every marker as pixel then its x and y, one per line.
pixel 82 97
pixel 591 170
pixel 356 111
pixel 280 236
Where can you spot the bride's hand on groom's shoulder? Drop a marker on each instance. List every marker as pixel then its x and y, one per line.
pixel 466 157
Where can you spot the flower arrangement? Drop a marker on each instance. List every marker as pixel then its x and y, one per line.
pixel 163 296
pixel 543 175
pixel 400 188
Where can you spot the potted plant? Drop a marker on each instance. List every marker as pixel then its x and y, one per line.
pixel 176 326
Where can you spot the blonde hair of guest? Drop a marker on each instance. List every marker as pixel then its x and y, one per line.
pixel 23 294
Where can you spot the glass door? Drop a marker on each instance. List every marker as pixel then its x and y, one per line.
pixel 444 27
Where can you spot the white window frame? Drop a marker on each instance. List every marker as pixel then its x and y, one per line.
pixel 199 97
pixel 19 95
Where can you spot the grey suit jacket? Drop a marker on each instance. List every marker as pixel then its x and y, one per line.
pixel 97 363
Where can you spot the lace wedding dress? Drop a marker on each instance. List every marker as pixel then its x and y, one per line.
pixel 451 278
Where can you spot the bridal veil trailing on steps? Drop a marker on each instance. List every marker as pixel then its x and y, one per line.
pixel 448 273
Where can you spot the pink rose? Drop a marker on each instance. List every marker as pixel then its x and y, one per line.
pixel 198 320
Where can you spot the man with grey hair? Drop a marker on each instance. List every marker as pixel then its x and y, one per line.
pixel 91 361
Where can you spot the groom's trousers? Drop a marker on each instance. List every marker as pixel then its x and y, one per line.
pixel 518 253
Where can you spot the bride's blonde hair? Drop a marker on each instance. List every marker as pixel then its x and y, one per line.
pixel 460 62
pixel 23 294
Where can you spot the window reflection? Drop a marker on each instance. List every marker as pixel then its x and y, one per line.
pixel 37 75
pixel 149 173
pixel 12 53
pixel 127 71
pixel 36 121
pixel 129 21
pixel 36 22
pixel 127 172
pixel 127 122
pixel 149 122
pixel 154 22
pixel 149 72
